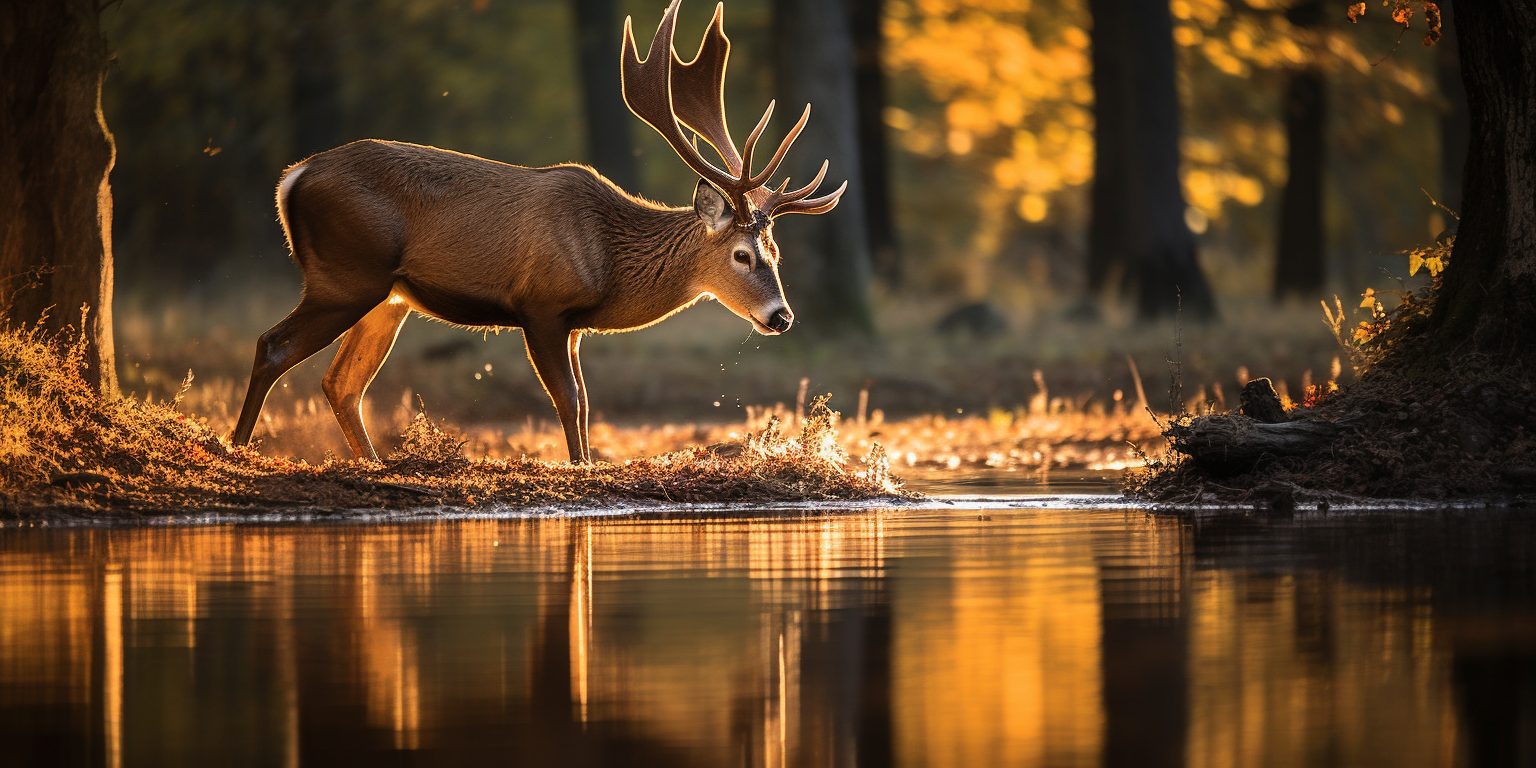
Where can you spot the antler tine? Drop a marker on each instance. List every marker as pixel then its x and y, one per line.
pixel 647 91
pixel 699 98
pixel 778 157
pixel 815 205
pixel 801 193
pixel 779 202
pixel 746 149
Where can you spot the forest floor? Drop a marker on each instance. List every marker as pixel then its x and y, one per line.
pixel 1395 437
pixel 66 451
pixel 1056 396
pixel 1415 426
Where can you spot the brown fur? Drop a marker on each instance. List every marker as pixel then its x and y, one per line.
pixel 381 228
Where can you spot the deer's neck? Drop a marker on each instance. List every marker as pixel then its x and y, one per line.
pixel 656 258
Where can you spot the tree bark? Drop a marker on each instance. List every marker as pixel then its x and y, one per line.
pixel 826 266
pixel 1138 227
pixel 1455 125
pixel 55 155
pixel 609 146
pixel 869 82
pixel 1487 303
pixel 1300 266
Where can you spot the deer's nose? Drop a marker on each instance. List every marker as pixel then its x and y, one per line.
pixel 781 320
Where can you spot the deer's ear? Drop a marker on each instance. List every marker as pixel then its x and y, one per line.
pixel 711 207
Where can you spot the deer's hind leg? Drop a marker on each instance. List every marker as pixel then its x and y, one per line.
pixel 362 353
pixel 309 328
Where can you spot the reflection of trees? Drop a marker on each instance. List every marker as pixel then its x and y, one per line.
pixel 1026 639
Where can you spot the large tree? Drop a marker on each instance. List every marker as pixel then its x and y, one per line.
pixel 1454 123
pixel 1300 269
pixel 55 155
pixel 1138 230
pixel 865 19
pixel 1487 304
pixel 609 146
pixel 826 258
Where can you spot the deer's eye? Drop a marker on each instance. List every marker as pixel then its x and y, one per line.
pixel 743 258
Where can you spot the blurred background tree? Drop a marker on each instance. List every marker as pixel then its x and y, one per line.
pixel 984 191
pixel 1138 232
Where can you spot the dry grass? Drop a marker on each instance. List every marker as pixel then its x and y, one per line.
pixel 700 371
pixel 66 450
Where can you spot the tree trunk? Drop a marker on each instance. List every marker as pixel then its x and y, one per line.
pixel 1109 240
pixel 1138 224
pixel 826 258
pixel 869 81
pixel 1455 125
pixel 1488 301
pixel 609 146
pixel 1300 268
pixel 55 155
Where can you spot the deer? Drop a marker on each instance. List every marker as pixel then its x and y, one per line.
pixel 381 229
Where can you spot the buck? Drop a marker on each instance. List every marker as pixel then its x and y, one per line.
pixel 381 229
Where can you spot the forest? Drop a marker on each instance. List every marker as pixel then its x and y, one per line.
pixel 1053 208
pixel 1138 383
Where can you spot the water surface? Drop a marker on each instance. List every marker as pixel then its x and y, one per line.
pixel 979 634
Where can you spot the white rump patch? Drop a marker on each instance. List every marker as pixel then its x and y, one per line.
pixel 289 179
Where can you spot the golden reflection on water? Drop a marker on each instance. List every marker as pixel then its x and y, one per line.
pixel 884 637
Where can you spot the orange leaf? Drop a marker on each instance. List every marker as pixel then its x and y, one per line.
pixel 1355 12
pixel 1402 13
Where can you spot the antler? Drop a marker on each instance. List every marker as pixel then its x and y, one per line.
pixel 699 103
pixel 778 202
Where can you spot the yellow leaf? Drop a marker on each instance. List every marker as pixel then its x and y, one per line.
pixel 1435 265
pixel 1414 262
pixel 1368 298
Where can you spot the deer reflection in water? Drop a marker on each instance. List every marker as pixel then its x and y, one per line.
pixel 1026 638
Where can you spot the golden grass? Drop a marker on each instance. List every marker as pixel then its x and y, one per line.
pixel 690 380
pixel 66 450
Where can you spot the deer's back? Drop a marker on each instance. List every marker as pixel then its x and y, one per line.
pixel 463 234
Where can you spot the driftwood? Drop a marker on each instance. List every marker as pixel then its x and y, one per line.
pixel 1230 444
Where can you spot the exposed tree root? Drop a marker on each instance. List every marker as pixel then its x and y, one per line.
pixel 1418 432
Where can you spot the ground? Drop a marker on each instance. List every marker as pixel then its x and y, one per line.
pixel 67 451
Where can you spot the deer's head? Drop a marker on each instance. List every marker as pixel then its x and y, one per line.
pixel 735 206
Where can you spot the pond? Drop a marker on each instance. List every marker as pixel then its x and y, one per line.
pixel 1010 632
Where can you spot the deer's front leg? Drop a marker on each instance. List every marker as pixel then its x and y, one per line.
pixel 549 348
pixel 573 344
